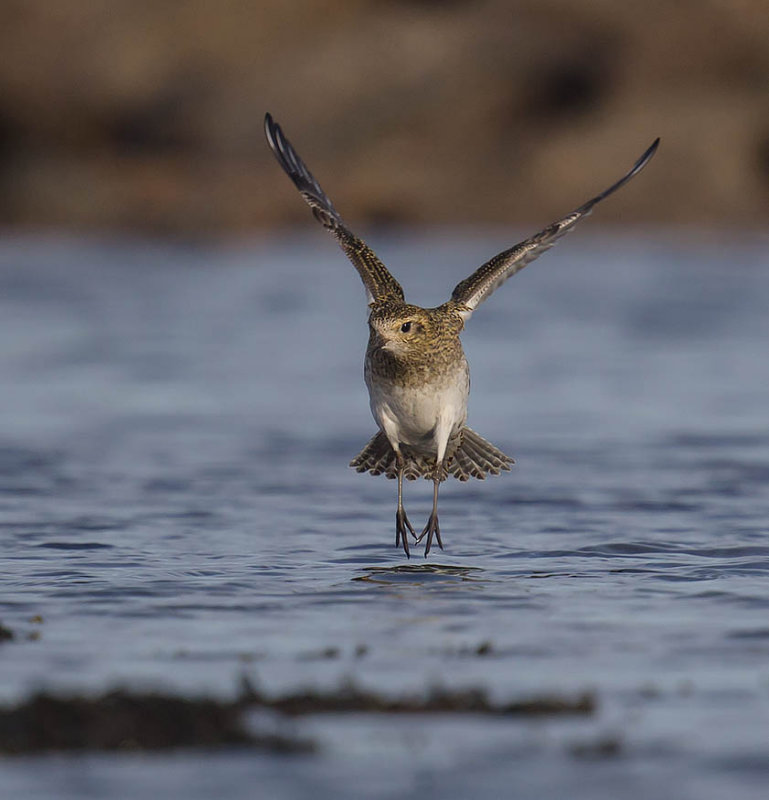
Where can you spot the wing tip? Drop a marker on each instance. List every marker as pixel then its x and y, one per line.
pixel 645 158
pixel 270 129
pixel 291 162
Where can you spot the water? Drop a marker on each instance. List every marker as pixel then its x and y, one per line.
pixel 175 505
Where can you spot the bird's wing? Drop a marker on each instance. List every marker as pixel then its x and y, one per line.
pixel 376 277
pixel 472 291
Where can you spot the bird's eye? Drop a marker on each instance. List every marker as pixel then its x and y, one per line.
pixel 406 327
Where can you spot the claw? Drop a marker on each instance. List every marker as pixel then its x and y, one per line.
pixel 402 528
pixel 431 529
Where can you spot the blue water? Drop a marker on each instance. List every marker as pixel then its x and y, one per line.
pixel 176 509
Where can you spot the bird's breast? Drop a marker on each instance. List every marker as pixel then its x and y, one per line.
pixel 412 406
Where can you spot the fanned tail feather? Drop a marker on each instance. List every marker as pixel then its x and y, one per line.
pixel 378 458
pixel 474 457
pixel 466 465
pixel 484 454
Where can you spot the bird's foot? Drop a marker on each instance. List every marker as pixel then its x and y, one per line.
pixel 431 529
pixel 402 529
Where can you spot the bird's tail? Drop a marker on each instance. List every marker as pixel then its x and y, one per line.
pixel 474 457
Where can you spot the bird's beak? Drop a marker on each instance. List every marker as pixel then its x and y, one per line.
pixel 378 341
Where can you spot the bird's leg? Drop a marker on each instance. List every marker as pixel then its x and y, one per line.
pixel 432 527
pixel 402 524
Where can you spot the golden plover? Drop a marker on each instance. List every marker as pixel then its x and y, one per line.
pixel 415 369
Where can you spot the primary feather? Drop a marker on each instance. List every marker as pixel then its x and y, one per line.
pixel 472 291
pixel 376 277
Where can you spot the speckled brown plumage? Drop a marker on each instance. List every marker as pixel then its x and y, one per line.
pixel 434 342
pixel 415 368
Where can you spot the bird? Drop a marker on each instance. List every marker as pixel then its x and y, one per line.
pixel 415 369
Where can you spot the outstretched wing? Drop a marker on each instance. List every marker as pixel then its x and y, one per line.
pixel 376 277
pixel 472 291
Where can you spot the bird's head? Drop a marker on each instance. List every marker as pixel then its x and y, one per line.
pixel 404 330
pixel 399 328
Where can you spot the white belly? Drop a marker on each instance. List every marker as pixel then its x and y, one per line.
pixel 423 417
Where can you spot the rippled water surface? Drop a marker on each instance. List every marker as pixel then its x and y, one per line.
pixel 176 507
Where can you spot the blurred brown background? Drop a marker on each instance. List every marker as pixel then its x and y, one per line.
pixel 147 114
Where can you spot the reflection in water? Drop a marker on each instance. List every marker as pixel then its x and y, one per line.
pixel 420 574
